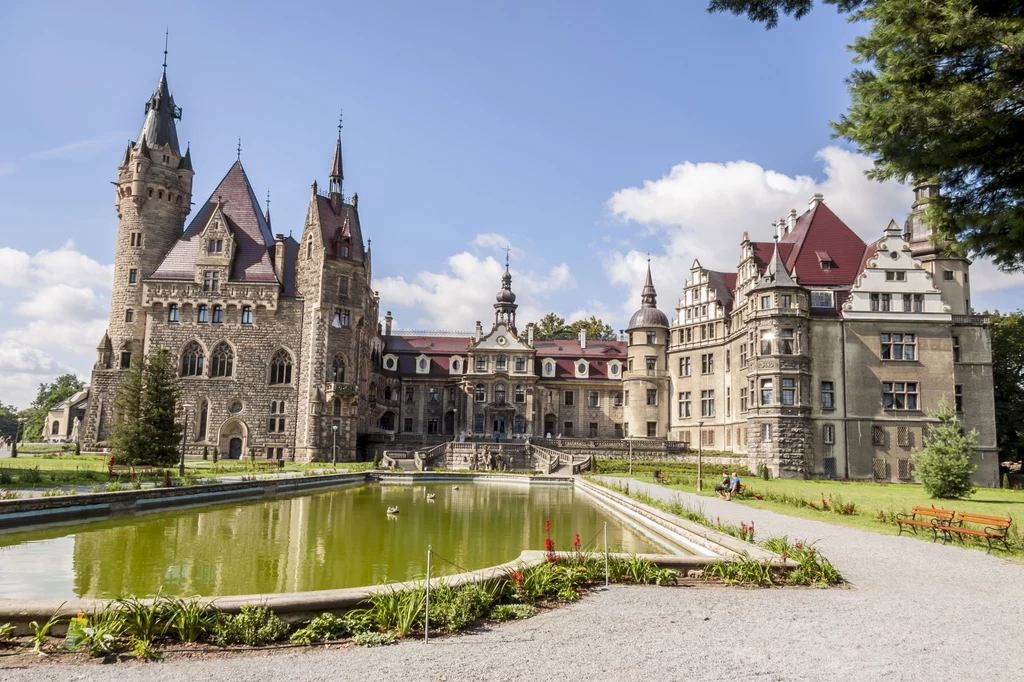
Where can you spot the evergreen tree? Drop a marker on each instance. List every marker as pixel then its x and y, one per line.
pixel 946 463
pixel 1008 382
pixel 125 443
pixel 939 97
pixel 145 431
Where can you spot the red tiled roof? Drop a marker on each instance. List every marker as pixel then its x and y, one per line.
pixel 252 262
pixel 869 253
pixel 763 253
pixel 342 224
pixel 428 345
pixel 821 230
pixel 600 350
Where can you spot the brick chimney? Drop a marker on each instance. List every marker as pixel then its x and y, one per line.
pixel 279 253
pixel 387 324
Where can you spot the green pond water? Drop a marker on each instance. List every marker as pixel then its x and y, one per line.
pixel 330 539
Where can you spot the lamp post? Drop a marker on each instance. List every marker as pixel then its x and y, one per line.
pixel 700 455
pixel 184 436
pixel 17 429
pixel 334 446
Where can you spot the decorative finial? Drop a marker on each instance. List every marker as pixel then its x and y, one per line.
pixel 268 199
pixel 340 126
pixel 239 150
pixel 648 257
pixel 167 33
pixel 507 249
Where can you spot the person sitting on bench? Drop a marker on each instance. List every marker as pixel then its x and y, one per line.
pixel 723 487
pixel 734 486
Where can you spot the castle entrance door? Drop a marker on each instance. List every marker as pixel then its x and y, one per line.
pixel 449 423
pixel 235 448
pixel 499 426
pixel 232 438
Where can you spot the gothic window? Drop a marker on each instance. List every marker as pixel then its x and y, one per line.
pixel 343 287
pixel 218 314
pixel 344 251
pixel 520 393
pixel 192 360
pixel 480 393
pixel 221 360
pixel 281 368
pixel 336 407
pixel 309 248
pixel 172 312
pixel 246 314
pixel 337 370
pixel 499 394
pixel 204 411
pixel 204 314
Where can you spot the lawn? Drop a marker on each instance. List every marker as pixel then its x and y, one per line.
pixel 45 471
pixel 875 503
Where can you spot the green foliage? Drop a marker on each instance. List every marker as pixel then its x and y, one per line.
pixel 8 420
pixel 322 628
pixel 814 569
pixel 372 639
pixel 398 610
pixel 743 571
pixel 30 476
pixel 190 619
pixel 47 397
pixel 939 98
pixel 98 635
pixel 503 612
pixel 551 326
pixel 453 608
pixel 206 453
pixel 144 621
pixel 252 626
pixel 946 463
pixel 1008 383
pixel 145 431
pixel 143 649
pixel 6 631
pixel 41 632
pixel 215 454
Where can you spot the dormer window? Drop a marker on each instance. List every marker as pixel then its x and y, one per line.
pixel 216 246
pixel 344 251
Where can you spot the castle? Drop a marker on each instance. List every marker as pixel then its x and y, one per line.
pixel 819 356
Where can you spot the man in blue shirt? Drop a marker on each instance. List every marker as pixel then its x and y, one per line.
pixel 734 486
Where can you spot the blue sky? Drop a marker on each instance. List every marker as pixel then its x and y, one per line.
pixel 585 135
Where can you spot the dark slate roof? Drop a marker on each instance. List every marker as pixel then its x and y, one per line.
pixel 819 229
pixel 336 170
pixel 344 223
pixel 763 253
pixel 776 274
pixel 158 127
pixel 724 284
pixel 252 261
pixel 648 315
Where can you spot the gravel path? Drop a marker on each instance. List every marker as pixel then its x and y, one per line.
pixel 916 611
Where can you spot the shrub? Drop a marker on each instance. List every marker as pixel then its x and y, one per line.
pixel 206 452
pixel 453 608
pixel 30 476
pixel 6 631
pixel 504 612
pixel 744 571
pixel 215 455
pixel 98 635
pixel 144 621
pixel 190 619
pixel 399 610
pixel 322 628
pixel 374 639
pixel 946 463
pixel 252 626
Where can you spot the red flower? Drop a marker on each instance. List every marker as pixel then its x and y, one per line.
pixel 547 526
pixel 757 497
pixel 549 545
pixel 517 577
pixel 576 543
pixel 798 545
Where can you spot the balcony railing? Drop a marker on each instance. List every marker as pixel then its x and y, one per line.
pixel 970 319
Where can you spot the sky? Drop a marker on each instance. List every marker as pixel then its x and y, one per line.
pixel 585 136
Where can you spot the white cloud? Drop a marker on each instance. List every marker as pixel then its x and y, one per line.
pixel 72 147
pixel 497 242
pixel 463 293
pixel 700 210
pixel 55 306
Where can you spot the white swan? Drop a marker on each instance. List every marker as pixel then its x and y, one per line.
pixel 392 510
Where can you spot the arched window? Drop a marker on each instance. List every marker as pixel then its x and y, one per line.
pixel 281 368
pixel 56 429
pixel 337 370
pixel 519 424
pixel 520 393
pixel 480 394
pixel 499 394
pixel 218 314
pixel 204 411
pixel 387 393
pixel 337 407
pixel 192 360
pixel 222 360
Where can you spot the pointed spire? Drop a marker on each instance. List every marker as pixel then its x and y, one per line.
pixel 167 35
pixel 186 161
pixel 238 150
pixel 158 128
pixel 776 274
pixel 266 215
pixel 648 315
pixel 649 297
pixel 337 171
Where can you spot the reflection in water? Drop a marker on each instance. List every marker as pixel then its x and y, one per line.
pixel 331 539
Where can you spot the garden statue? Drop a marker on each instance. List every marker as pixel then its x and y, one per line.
pixel 75 429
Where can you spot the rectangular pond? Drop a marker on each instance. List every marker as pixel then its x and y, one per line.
pixel 330 539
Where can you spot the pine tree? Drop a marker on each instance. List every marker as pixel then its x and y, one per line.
pixel 159 431
pixel 946 463
pixel 125 443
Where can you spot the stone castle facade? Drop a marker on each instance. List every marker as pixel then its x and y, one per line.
pixel 819 356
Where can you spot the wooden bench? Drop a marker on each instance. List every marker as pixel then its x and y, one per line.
pixel 994 528
pixel 660 477
pixel 934 519
pixel 118 469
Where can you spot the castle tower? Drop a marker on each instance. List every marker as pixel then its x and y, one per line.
pixel 781 433
pixel 646 380
pixel 153 197
pixel 342 342
pixel 505 306
pixel 950 272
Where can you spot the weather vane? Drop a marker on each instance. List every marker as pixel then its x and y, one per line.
pixel 239 150
pixel 167 33
pixel 507 250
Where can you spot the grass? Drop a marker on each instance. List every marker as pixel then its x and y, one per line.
pixel 63 470
pixel 875 504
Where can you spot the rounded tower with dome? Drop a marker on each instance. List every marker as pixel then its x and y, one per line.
pixel 646 380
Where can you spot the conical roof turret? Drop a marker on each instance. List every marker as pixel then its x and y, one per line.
pixel 158 128
pixel 648 315
pixel 776 274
